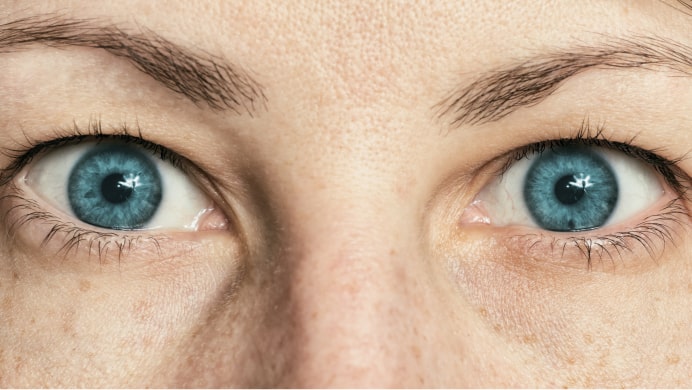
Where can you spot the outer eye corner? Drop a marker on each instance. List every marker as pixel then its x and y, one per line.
pixel 117 185
pixel 570 188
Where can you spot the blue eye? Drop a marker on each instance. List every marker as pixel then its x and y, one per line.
pixel 570 189
pixel 115 187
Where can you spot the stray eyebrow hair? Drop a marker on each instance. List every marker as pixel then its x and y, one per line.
pixel 500 92
pixel 200 77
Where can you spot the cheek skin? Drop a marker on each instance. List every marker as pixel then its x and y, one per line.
pixel 52 306
pixel 346 82
pixel 580 328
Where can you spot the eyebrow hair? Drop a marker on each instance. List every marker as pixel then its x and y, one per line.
pixel 684 6
pixel 500 92
pixel 200 77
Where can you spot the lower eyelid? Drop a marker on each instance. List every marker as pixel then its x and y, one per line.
pixel 632 247
pixel 37 230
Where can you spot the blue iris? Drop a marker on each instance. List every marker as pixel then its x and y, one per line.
pixel 115 186
pixel 570 188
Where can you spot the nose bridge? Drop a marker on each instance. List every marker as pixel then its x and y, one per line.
pixel 349 203
pixel 351 291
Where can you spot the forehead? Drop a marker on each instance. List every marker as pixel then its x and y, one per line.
pixel 345 66
pixel 367 57
pixel 342 34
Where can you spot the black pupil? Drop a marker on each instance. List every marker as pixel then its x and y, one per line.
pixel 114 189
pixel 568 190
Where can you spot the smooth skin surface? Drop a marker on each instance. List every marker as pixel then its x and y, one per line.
pixel 348 257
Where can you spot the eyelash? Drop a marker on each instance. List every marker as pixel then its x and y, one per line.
pixel 587 135
pixel 25 152
pixel 97 242
pixel 659 226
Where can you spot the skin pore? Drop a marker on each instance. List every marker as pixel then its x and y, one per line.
pixel 343 146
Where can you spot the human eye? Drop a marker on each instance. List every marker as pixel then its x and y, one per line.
pixel 584 196
pixel 101 191
pixel 117 185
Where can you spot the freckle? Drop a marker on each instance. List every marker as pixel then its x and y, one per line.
pixel 18 363
pixel 571 360
pixel 483 312
pixel 15 275
pixel 530 339
pixel 148 341
pixel 68 322
pixel 588 338
pixel 673 359
pixel 84 285
pixel 416 352
pixel 497 328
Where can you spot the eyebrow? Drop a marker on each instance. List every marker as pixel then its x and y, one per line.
pixel 501 92
pixel 200 77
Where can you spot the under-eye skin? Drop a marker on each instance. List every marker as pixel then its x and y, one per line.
pixel 85 190
pixel 586 196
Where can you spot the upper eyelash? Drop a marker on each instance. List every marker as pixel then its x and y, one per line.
pixel 24 153
pixel 587 135
pixel 27 150
pixel 658 226
pixel 100 242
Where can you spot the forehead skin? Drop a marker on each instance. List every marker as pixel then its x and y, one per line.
pixel 341 286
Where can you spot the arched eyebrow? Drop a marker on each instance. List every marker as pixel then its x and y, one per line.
pixel 500 92
pixel 202 78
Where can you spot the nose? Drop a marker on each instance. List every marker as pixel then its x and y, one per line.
pixel 345 292
pixel 352 300
pixel 355 302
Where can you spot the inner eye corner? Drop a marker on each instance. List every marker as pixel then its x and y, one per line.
pixel 118 186
pixel 578 187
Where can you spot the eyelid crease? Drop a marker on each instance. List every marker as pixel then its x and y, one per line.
pixel 653 233
pixel 594 135
pixel 25 151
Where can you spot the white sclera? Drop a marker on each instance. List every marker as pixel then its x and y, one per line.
pixel 638 188
pixel 182 202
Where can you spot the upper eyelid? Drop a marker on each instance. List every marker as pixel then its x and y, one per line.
pixel 22 153
pixel 588 134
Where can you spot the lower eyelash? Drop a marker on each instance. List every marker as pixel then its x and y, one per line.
pixel 106 246
pixel 652 234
